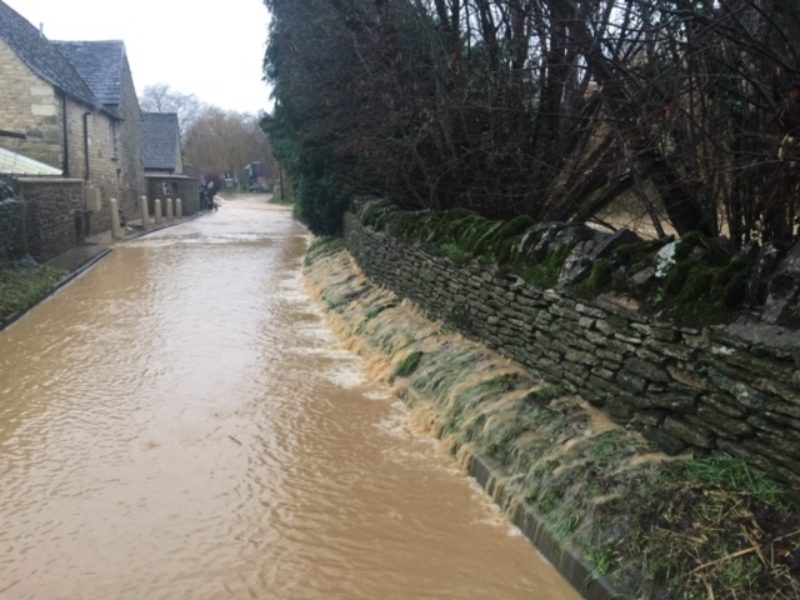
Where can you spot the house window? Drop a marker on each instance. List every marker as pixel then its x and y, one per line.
pixel 112 132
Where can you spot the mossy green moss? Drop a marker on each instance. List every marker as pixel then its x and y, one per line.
pixel 676 276
pixel 696 243
pixel 458 233
pixel 705 284
pixel 323 246
pixel 453 251
pixel 498 234
pixel 374 213
pixel 701 290
pixel 544 274
pixel 599 277
pixel 631 254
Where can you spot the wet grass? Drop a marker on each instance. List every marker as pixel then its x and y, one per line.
pixel 686 527
pixel 321 247
pixel 22 286
pixel 409 364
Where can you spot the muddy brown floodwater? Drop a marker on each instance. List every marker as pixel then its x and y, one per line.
pixel 180 423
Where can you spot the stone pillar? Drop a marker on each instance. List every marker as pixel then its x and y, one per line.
pixel 179 208
pixel 169 211
pixel 143 212
pixel 157 210
pixel 116 228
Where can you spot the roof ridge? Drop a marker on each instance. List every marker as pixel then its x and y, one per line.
pixel 113 40
pixel 101 64
pixel 43 57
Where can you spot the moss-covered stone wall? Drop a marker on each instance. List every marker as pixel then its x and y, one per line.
pixel 734 388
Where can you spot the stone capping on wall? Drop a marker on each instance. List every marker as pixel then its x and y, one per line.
pixel 733 388
pixel 49 180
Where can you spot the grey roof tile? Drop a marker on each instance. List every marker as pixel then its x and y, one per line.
pixel 42 56
pixel 160 140
pixel 100 64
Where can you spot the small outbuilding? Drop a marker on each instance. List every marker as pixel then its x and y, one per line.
pixel 163 163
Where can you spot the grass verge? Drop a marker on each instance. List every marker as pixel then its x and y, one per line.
pixel 654 527
pixel 22 286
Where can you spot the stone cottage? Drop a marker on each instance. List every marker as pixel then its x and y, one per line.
pixel 104 67
pixel 163 162
pixel 73 114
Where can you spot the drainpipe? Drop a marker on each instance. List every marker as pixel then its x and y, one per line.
pixel 86 116
pixel 65 127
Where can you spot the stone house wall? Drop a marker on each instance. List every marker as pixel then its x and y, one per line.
pixel 733 388
pixel 29 105
pixel 104 174
pixel 129 147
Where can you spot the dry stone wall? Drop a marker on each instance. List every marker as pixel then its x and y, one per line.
pixel 733 388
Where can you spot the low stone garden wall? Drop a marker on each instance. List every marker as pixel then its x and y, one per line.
pixel 163 187
pixel 12 243
pixel 735 388
pixel 50 209
pixel 40 219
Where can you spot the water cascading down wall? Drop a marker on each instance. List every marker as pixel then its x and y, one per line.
pixel 734 388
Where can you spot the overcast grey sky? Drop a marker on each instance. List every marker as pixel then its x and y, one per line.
pixel 211 49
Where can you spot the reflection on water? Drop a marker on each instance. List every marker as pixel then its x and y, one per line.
pixel 179 423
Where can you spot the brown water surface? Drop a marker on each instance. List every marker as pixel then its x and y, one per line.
pixel 179 423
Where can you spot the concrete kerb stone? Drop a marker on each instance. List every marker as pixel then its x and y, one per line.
pixel 67 279
pixel 563 558
pixel 578 573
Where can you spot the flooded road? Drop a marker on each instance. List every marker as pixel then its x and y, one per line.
pixel 180 423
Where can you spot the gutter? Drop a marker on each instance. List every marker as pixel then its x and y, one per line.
pixel 65 128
